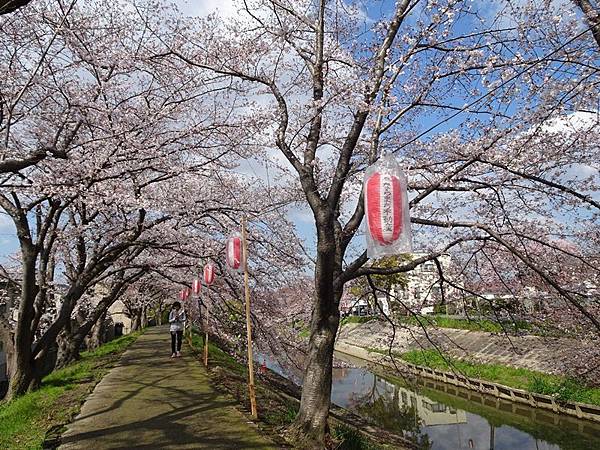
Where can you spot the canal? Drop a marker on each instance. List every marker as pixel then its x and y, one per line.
pixel 443 417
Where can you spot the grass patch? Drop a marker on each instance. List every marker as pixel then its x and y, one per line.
pixel 562 388
pixel 356 319
pixel 282 416
pixel 25 420
pixel 489 326
pixel 351 439
pixel 216 356
pixel 230 377
pixel 304 333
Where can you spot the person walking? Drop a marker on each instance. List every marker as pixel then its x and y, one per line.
pixel 177 320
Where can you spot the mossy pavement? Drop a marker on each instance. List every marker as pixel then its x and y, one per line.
pixel 150 401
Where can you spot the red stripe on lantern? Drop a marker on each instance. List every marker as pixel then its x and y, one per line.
pixel 209 274
pixel 234 252
pixel 383 202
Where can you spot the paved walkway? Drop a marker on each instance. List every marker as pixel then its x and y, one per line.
pixel 150 401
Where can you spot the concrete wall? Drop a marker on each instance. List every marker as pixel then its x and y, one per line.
pixel 545 354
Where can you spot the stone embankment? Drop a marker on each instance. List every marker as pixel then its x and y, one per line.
pixel 544 354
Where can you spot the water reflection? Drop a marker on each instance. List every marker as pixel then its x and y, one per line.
pixel 444 421
pixel 442 417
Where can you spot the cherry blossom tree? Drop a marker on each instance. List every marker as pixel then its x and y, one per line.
pixel 492 114
pixel 133 139
pixel 8 6
pixel 491 108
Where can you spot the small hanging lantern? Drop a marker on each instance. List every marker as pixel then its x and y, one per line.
pixel 184 294
pixel 196 286
pixel 386 209
pixel 209 274
pixel 234 252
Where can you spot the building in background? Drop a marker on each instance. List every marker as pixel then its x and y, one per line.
pixel 121 322
pixel 117 321
pixel 422 293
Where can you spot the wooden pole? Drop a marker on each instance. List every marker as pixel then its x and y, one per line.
pixel 251 390
pixel 206 337
pixel 187 312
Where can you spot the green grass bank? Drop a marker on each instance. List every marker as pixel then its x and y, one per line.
pixel 562 388
pixel 25 421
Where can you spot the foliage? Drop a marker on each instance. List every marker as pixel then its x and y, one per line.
pixel 25 420
pixel 352 439
pixel 356 319
pixel 562 388
pixel 281 417
pixel 443 321
pixel 360 287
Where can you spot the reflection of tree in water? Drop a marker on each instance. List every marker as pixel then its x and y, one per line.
pixel 387 413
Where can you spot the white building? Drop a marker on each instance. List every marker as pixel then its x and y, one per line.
pixel 422 291
pixel 117 313
pixel 121 321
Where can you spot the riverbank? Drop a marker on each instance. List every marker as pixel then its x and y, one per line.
pixel 36 419
pixel 278 402
pixel 563 390
pixel 448 416
pixel 550 355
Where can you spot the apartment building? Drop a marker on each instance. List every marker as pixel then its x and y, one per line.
pixel 422 292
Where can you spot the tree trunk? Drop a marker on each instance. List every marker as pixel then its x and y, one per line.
pixel 28 375
pixel 6 337
pixel 68 348
pixel 98 331
pixel 144 317
pixel 136 320
pixel 23 367
pixel 311 422
pixel 311 425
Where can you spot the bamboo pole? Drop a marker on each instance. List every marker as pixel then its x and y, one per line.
pixel 251 390
pixel 206 336
pixel 187 329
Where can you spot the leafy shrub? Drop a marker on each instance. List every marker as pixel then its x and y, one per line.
pixel 351 439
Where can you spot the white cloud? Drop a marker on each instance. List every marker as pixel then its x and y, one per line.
pixel 573 123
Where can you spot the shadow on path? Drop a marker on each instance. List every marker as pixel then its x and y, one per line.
pixel 150 401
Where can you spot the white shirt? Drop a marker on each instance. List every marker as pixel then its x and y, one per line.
pixel 177 319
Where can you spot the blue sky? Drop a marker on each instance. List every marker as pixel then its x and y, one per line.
pixel 302 216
